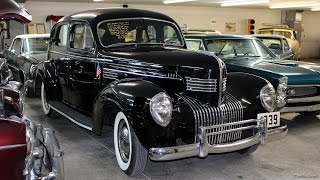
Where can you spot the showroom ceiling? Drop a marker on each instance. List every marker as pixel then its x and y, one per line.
pixel 293 4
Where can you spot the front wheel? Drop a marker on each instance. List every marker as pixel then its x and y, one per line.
pixel 131 155
pixel 45 106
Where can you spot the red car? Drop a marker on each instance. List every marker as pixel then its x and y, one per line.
pixel 27 151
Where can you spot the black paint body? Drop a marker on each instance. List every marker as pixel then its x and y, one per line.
pixel 133 75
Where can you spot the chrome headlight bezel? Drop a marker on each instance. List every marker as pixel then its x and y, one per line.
pixel 268 98
pixel 282 92
pixel 161 109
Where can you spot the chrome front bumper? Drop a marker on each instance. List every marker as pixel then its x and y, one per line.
pixel 308 108
pixel 202 148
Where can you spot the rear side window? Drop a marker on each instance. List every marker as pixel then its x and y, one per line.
pixel 16 47
pixel 81 37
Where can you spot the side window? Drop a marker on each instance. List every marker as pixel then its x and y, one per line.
pixel 170 36
pixel 285 44
pixel 81 37
pixel 16 47
pixel 62 36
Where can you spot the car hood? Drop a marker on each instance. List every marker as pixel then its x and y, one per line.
pixel 9 9
pixel 36 57
pixel 165 56
pixel 298 72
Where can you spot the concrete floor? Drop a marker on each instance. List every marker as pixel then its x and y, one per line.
pixel 89 157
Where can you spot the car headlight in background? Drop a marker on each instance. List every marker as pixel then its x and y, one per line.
pixel 161 109
pixel 282 92
pixel 268 98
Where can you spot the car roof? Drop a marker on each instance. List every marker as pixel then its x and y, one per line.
pixel 33 36
pixel 98 15
pixel 268 36
pixel 216 36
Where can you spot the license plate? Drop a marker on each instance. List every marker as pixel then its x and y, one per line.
pixel 273 118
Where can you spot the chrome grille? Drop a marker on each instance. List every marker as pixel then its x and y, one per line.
pixel 201 85
pixel 206 115
pixel 301 91
pixel 224 84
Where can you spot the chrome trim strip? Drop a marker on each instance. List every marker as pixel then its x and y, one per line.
pixel 12 146
pixel 306 99
pixel 71 119
pixel 311 108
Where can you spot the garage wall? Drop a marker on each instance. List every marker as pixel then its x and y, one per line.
pixel 194 17
pixel 310 39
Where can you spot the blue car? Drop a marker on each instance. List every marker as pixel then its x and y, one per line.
pixel 250 55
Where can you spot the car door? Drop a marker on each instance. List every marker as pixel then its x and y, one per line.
pixel 12 56
pixel 57 54
pixel 83 67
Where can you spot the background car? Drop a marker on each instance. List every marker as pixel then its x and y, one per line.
pixel 290 34
pixel 23 57
pixel 27 151
pixel 130 69
pixel 250 55
pixel 277 44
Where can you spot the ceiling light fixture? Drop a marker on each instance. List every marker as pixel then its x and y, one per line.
pixel 98 0
pixel 176 1
pixel 295 5
pixel 315 9
pixel 243 2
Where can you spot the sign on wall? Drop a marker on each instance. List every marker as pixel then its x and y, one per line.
pixel 36 28
pixel 231 27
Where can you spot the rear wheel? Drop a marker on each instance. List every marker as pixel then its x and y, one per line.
pixel 45 106
pixel 131 155
pixel 249 150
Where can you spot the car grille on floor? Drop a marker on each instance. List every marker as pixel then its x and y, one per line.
pixel 301 91
pixel 206 115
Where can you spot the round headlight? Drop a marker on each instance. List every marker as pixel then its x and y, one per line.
pixel 268 98
pixel 161 109
pixel 282 92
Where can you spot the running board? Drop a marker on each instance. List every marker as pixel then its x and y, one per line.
pixel 73 115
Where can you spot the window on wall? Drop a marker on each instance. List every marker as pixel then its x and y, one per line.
pixel 81 37
pixel 63 35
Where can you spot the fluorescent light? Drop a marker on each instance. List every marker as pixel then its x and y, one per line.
pixel 295 5
pixel 98 0
pixel 176 1
pixel 244 2
pixel 315 9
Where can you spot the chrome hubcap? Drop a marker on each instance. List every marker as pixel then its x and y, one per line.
pixel 124 141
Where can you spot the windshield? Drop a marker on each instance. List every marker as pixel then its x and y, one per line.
pixel 35 45
pixel 274 44
pixel 238 47
pixel 137 31
pixel 286 34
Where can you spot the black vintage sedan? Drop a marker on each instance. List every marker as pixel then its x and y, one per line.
pixel 23 57
pixel 130 69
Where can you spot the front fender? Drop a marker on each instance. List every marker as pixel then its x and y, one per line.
pixel 132 97
pixel 51 81
pixel 246 88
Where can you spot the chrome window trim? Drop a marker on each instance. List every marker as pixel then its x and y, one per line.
pixel 144 18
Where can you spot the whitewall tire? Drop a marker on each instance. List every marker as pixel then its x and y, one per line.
pixel 131 155
pixel 45 106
